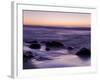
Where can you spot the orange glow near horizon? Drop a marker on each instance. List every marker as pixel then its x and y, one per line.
pixel 45 18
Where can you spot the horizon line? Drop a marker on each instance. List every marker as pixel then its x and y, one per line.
pixel 56 26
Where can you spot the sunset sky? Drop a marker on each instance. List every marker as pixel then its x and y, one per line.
pixel 59 19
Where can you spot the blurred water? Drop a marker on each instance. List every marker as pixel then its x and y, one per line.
pixel 76 38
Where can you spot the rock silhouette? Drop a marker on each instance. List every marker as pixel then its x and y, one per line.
pixel 27 64
pixel 84 53
pixel 47 49
pixel 70 48
pixel 54 44
pixel 35 46
pixel 27 55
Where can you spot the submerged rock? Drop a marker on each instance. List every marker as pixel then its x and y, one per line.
pixel 35 46
pixel 70 48
pixel 84 53
pixel 54 44
pixel 47 49
pixel 27 55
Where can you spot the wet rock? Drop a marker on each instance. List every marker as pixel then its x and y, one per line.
pixel 84 53
pixel 54 44
pixel 29 65
pixel 70 48
pixel 27 55
pixel 35 46
pixel 47 49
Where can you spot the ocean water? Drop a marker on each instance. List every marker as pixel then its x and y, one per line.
pixel 76 38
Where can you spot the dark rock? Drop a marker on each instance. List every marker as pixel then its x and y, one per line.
pixel 27 55
pixel 54 44
pixel 84 53
pixel 70 48
pixel 29 65
pixel 35 46
pixel 47 49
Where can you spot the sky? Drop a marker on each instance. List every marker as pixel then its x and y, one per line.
pixel 59 19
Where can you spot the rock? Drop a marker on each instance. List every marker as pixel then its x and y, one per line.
pixel 47 49
pixel 54 44
pixel 29 65
pixel 35 46
pixel 27 55
pixel 84 53
pixel 70 48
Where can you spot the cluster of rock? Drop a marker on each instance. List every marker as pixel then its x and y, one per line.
pixel 48 44
pixel 82 53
